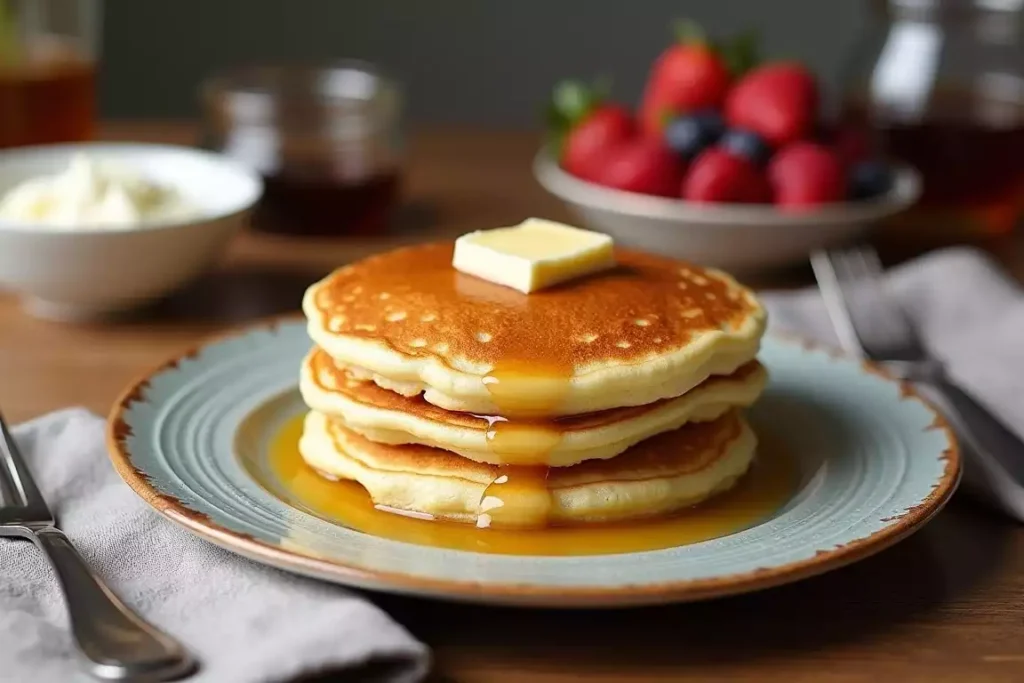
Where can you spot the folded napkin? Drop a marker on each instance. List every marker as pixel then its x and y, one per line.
pixel 970 315
pixel 246 623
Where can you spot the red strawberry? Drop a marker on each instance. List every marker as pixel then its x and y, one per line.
pixel 719 176
pixel 687 76
pixel 805 174
pixel 640 165
pixel 779 101
pixel 603 128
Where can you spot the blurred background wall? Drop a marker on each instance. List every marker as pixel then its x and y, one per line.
pixel 475 62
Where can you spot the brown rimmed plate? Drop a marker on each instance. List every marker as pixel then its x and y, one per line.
pixel 875 463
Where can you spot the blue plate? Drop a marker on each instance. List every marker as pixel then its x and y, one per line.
pixel 875 461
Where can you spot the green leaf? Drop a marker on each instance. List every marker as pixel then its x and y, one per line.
pixel 555 144
pixel 689 32
pixel 666 115
pixel 743 53
pixel 740 54
pixel 9 48
pixel 601 89
pixel 572 100
pixel 555 127
pixel 552 117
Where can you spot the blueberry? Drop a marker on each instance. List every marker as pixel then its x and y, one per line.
pixel 869 179
pixel 688 135
pixel 747 145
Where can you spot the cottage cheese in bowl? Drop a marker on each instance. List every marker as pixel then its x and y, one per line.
pixel 95 194
pixel 88 230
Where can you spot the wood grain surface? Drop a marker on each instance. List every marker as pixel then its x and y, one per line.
pixel 945 605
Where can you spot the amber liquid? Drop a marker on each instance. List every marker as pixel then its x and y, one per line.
pixel 326 206
pixel 771 482
pixel 47 102
pixel 520 493
pixel 970 154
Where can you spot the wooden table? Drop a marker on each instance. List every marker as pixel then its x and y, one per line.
pixel 945 605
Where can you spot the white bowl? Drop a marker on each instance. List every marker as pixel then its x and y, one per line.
pixel 739 238
pixel 85 272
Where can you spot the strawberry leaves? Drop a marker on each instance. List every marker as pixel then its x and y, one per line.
pixel 571 102
pixel 689 32
pixel 739 53
pixel 742 53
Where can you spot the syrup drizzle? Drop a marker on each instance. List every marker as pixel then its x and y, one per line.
pixel 528 392
pixel 771 482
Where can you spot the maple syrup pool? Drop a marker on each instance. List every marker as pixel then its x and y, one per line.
pixel 770 483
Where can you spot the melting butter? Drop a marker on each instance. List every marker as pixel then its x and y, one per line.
pixel 533 255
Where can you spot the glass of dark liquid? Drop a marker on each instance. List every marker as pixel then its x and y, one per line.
pixel 326 139
pixel 48 52
pixel 940 84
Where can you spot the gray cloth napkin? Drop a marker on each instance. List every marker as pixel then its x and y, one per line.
pixel 247 623
pixel 969 313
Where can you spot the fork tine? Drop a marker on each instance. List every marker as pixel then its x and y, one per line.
pixel 859 263
pixel 10 495
pixel 871 262
pixel 836 305
pixel 18 486
pixel 859 276
pixel 871 269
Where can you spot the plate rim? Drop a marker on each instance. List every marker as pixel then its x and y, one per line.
pixel 523 594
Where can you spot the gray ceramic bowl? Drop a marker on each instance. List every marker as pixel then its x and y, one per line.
pixel 732 237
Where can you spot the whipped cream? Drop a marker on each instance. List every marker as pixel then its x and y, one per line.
pixel 93 194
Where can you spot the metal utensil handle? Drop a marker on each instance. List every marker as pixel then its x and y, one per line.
pixel 982 431
pixel 118 643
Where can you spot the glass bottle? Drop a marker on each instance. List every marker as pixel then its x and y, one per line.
pixel 939 84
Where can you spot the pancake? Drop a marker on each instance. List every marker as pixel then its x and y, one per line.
pixel 652 328
pixel 665 473
pixel 386 417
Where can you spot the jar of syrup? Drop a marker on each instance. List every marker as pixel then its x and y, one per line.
pixel 939 84
pixel 326 140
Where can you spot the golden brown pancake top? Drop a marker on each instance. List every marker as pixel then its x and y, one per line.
pixel 686 450
pixel 414 301
pixel 332 377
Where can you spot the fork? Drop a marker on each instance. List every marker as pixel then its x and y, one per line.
pixel 117 643
pixel 870 323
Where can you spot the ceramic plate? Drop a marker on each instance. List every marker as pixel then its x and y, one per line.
pixel 875 462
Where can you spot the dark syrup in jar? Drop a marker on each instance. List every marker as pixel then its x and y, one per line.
pixel 326 206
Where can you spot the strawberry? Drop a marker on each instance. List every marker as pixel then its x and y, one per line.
pixel 581 126
pixel 717 175
pixel 806 174
pixel 779 101
pixel 603 128
pixel 686 77
pixel 640 165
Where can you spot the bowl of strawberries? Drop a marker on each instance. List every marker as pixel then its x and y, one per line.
pixel 726 161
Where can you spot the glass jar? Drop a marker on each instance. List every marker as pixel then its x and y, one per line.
pixel 48 53
pixel 940 84
pixel 325 139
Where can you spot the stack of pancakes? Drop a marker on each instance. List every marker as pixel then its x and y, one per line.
pixel 610 397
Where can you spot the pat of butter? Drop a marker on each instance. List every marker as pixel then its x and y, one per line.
pixel 533 255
